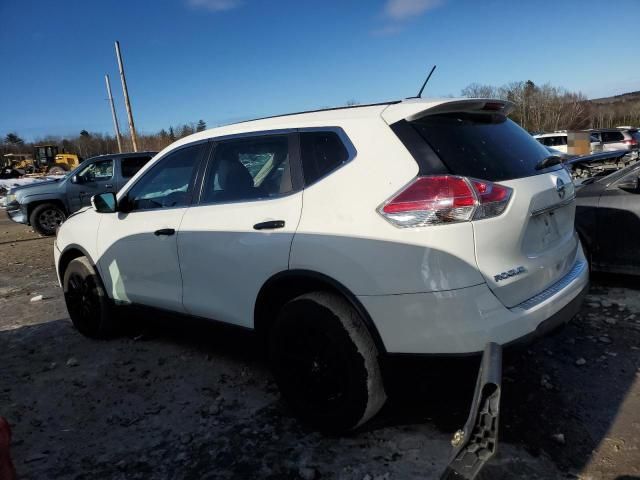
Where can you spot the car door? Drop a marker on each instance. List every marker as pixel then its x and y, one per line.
pixel 613 140
pixel 619 225
pixel 240 233
pixel 129 166
pixel 137 245
pixel 97 177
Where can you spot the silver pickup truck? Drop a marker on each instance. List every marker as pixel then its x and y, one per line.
pixel 45 205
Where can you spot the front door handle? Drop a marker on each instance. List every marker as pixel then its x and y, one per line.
pixel 164 231
pixel 270 225
pixel 108 185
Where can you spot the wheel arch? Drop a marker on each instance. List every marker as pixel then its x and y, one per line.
pixel 36 202
pixel 289 284
pixel 70 253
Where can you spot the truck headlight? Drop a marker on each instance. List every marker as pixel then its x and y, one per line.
pixel 11 197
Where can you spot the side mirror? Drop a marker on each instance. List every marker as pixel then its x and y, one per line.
pixel 104 202
pixel 631 186
pixel 76 179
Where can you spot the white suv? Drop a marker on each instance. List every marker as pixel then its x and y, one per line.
pixel 342 237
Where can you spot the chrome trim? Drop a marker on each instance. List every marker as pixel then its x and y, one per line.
pixel 553 207
pixel 575 272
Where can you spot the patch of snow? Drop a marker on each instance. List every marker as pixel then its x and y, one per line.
pixel 7 183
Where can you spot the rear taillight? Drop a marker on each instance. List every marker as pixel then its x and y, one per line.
pixel 437 200
pixel 631 142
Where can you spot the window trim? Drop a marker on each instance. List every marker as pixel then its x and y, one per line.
pixel 294 165
pixel 193 183
pixel 346 142
pixel 113 168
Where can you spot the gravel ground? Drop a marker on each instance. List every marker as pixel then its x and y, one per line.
pixel 185 400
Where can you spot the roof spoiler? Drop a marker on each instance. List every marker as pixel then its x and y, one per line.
pixel 413 109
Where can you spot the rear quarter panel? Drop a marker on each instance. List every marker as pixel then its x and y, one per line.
pixel 342 235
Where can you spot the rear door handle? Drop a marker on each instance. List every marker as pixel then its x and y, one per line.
pixel 270 225
pixel 108 185
pixel 164 231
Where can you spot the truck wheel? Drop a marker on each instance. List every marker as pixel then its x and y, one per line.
pixel 326 363
pixel 46 218
pixel 58 170
pixel 87 302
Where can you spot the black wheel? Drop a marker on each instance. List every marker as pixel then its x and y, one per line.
pixel 87 302
pixel 58 170
pixel 46 218
pixel 326 363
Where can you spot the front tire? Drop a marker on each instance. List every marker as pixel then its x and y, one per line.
pixel 46 218
pixel 326 363
pixel 86 299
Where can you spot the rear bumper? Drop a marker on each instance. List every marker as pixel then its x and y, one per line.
pixel 18 214
pixel 463 321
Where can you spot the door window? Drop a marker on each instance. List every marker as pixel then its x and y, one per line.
pixel 131 165
pixel 248 168
pixel 612 136
pixel 168 184
pixel 97 171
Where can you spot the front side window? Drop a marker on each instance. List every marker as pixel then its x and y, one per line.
pixel 247 169
pixel 97 171
pixel 131 165
pixel 168 184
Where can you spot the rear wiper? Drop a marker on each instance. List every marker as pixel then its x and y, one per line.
pixel 549 161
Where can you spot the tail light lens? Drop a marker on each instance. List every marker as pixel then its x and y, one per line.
pixel 437 200
pixel 631 142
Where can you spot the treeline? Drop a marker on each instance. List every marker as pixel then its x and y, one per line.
pixel 538 108
pixel 545 108
pixel 89 144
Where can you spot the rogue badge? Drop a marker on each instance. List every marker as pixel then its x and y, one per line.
pixel 509 273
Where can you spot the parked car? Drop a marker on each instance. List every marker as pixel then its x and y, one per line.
pixel 45 205
pixel 564 156
pixel 608 220
pixel 617 138
pixel 558 141
pixel 340 237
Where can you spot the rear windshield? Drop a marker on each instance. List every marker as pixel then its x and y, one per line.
pixel 485 146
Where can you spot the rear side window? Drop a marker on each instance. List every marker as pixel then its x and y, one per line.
pixel 612 136
pixel 131 165
pixel 480 145
pixel 321 153
pixel 248 169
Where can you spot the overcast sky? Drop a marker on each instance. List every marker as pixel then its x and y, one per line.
pixel 229 60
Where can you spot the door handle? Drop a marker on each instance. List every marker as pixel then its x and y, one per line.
pixel 108 185
pixel 270 225
pixel 164 231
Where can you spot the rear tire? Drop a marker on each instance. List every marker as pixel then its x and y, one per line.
pixel 86 299
pixel 326 363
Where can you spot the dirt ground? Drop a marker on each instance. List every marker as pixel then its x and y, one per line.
pixel 185 400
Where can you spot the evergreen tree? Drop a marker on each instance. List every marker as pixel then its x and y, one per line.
pixel 13 139
pixel 201 125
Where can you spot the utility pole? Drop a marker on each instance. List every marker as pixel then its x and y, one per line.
pixel 113 114
pixel 132 128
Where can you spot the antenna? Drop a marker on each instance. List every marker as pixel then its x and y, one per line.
pixel 425 83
